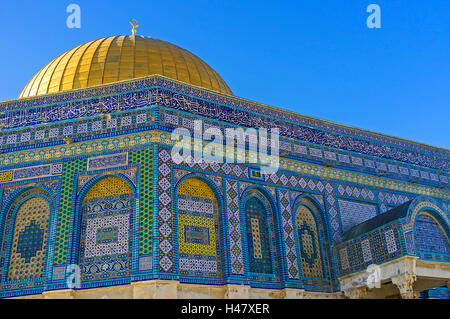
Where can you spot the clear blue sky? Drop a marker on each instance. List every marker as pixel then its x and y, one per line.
pixel 314 57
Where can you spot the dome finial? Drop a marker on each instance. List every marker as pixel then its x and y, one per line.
pixel 135 24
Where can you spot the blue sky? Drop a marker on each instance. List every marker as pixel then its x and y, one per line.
pixel 317 58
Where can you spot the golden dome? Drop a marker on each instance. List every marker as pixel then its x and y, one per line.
pixel 121 58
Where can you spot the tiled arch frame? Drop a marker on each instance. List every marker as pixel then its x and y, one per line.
pixel 323 236
pixel 265 281
pixel 426 206
pixel 419 204
pixel 443 227
pixel 222 226
pixel 76 224
pixel 416 207
pixel 7 222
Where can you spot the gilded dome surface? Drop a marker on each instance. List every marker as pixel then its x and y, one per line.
pixel 121 58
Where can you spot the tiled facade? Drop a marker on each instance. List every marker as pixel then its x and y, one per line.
pixel 104 193
pixel 354 213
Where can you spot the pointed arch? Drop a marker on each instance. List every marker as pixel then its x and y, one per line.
pixel 431 234
pixel 199 207
pixel 259 210
pixel 422 203
pixel 425 223
pixel 25 232
pixel 103 236
pixel 309 228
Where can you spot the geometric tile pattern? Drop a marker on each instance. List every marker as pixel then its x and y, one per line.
pixel 180 173
pixel 6 176
pixel 78 128
pixel 242 118
pixel 356 141
pixel 144 158
pixel 106 236
pixel 308 238
pixel 165 218
pixel 288 233
pixel 199 237
pixel 354 213
pixel 333 215
pixel 107 161
pixel 229 169
pixel 15 196
pixel 257 254
pixel 234 227
pixel 310 184
pixel 65 209
pixel 320 200
pixel 31 172
pixel 423 203
pixel 343 256
pixel 367 254
pixel 375 247
pixel 109 186
pixel 429 236
pixel 259 251
pixel 51 185
pixel 27 255
pixel 106 230
pixel 130 173
pixel 30 241
pixel 409 242
pixel 390 200
pixel 383 244
pixel 106 240
pixel 145 263
pixel 355 192
pixel 390 241
pixel 58 272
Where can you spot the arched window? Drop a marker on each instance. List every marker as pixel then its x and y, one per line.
pixel 429 236
pixel 200 251
pixel 309 243
pixel 258 235
pixel 106 236
pixel 29 240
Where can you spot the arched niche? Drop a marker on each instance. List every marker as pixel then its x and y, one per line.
pixel 200 242
pixel 431 234
pixel 258 209
pixel 309 231
pixel 25 235
pixel 104 238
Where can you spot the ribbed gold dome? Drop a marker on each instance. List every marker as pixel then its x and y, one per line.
pixel 120 58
